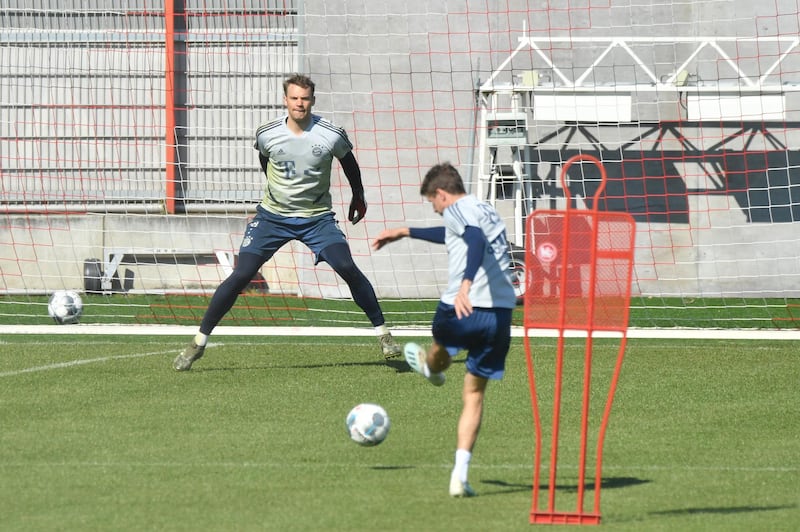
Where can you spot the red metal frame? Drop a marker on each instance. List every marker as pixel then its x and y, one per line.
pixel 579 266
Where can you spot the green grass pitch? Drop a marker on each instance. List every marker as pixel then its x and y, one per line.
pixel 98 433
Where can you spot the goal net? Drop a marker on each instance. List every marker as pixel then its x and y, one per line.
pixel 128 172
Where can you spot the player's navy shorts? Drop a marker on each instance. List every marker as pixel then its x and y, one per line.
pixel 485 335
pixel 267 232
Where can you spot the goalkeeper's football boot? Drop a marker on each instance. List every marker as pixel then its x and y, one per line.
pixel 460 489
pixel 389 347
pixel 415 356
pixel 184 361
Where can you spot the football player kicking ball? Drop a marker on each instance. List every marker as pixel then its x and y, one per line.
pixel 474 313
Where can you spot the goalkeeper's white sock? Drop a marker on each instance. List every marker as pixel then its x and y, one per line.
pixel 380 330
pixel 462 464
pixel 200 339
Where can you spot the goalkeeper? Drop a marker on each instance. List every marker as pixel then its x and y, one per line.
pixel 296 153
pixel 474 313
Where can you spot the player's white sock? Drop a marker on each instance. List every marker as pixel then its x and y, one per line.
pixel 200 339
pixel 426 371
pixel 462 464
pixel 423 363
pixel 380 330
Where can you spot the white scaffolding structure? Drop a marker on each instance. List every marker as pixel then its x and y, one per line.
pixel 511 98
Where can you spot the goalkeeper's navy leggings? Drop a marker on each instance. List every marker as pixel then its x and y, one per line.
pixel 339 258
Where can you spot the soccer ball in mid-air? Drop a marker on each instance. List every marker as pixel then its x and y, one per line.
pixel 368 424
pixel 65 306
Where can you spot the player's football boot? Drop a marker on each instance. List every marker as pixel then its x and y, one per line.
pixel 184 361
pixel 415 356
pixel 389 347
pixel 460 489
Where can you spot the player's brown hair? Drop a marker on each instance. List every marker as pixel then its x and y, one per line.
pixel 301 80
pixel 442 176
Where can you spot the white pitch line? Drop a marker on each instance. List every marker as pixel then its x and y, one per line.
pixel 81 362
pixel 516 332
pixel 72 363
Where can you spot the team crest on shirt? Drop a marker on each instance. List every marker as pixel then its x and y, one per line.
pixel 317 150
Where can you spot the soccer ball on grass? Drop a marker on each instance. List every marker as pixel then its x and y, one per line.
pixel 65 306
pixel 368 424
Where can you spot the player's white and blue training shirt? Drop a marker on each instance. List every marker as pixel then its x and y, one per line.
pixel 492 284
pixel 299 169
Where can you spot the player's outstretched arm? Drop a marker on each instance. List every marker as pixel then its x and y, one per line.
pixel 430 234
pixel 389 235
